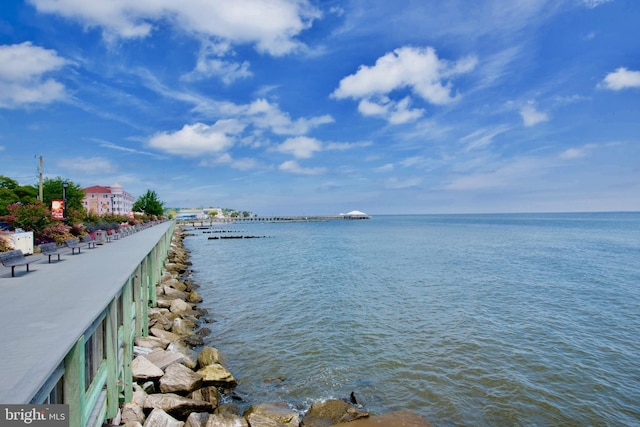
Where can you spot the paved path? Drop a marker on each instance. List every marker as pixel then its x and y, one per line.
pixel 45 311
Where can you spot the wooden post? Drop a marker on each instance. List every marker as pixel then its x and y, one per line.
pixel 74 389
pixel 127 338
pixel 112 359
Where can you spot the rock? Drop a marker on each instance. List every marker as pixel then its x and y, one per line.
pixel 176 267
pixel 179 379
pixel 163 302
pixel 183 327
pixel 208 394
pixel 166 335
pixel 163 358
pixel 175 405
pixel 192 340
pixel 151 342
pixel 175 284
pixel 171 293
pixel 209 356
pixel 400 419
pixel 189 360
pixel 159 418
pixel 203 332
pixel 330 412
pixel 217 375
pixel 132 412
pixel 194 297
pixel 179 306
pixel 197 419
pixel 226 420
pixel 143 369
pixel 161 321
pixel 277 414
pixel 139 395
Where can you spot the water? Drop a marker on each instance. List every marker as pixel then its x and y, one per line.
pixel 464 319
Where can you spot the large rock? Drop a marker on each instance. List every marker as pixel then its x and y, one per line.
pixel 175 284
pixel 163 358
pixel 399 419
pixel 217 375
pixel 183 327
pixel 143 369
pixel 175 405
pixel 132 412
pixel 179 379
pixel 277 414
pixel 329 412
pixel 166 335
pixel 151 342
pixel 209 356
pixel 180 306
pixel 208 394
pixel 159 418
pixel 171 293
pixel 197 419
pixel 190 358
pixel 194 297
pixel 226 420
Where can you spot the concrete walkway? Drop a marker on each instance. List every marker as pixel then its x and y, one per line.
pixel 45 311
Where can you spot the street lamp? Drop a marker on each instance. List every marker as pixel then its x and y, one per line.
pixel 65 185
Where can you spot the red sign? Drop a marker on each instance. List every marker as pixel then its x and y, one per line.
pixel 57 209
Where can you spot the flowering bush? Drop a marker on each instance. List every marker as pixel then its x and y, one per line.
pixel 58 233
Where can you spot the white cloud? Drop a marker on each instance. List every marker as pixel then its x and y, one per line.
pixel 394 112
pixel 531 116
pixel 482 137
pixel 227 71
pixel 418 69
pixel 621 79
pixel 23 69
pixel 271 26
pixel 578 152
pixel 226 159
pixel 293 167
pixel 265 115
pixel 197 139
pixel 594 3
pixel 394 183
pixel 89 166
pixel 301 147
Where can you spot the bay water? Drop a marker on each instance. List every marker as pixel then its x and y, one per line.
pixel 512 319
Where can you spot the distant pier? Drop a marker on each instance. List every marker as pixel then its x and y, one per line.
pixel 275 218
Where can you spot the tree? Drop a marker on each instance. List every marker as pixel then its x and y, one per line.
pixel 149 204
pixel 52 189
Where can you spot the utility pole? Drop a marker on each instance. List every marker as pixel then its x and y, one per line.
pixel 40 187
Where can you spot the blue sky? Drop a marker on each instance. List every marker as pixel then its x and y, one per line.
pixel 321 107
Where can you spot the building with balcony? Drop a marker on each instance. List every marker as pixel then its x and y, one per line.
pixel 108 200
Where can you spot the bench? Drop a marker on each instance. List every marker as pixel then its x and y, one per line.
pixel 73 244
pixel 89 241
pixel 49 249
pixel 13 259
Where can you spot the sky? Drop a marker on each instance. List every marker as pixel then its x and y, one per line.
pixel 300 107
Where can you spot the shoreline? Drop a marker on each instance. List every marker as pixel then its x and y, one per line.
pixel 180 381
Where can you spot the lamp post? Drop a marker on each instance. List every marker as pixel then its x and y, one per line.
pixel 65 185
